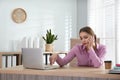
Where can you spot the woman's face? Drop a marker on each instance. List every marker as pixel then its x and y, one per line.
pixel 85 38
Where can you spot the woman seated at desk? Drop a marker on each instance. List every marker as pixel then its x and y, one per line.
pixel 89 53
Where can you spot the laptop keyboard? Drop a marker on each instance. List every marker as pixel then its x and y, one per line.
pixel 51 67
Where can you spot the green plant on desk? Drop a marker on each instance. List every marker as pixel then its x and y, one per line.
pixel 49 39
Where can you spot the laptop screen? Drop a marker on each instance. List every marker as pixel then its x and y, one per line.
pixel 32 57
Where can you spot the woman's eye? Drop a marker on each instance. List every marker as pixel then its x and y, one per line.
pixel 80 38
pixel 85 37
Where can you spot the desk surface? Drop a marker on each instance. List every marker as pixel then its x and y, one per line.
pixel 65 72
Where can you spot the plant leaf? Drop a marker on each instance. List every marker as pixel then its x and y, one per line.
pixel 50 37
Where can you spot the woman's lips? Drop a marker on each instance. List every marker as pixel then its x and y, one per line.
pixel 84 43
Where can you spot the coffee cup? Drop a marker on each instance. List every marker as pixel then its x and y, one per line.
pixel 108 64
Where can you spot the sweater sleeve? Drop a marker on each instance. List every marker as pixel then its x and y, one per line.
pixel 68 57
pixel 97 58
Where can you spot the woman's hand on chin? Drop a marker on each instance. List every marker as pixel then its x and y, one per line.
pixel 90 43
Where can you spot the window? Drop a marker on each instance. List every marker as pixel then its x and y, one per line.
pixel 104 18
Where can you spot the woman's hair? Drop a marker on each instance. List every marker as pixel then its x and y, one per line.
pixel 89 30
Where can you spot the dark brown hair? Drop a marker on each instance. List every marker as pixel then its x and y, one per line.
pixel 89 30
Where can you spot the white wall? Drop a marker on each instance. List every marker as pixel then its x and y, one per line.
pixel 41 15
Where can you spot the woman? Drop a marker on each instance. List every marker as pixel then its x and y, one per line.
pixel 89 53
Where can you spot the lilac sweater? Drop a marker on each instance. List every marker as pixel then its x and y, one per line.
pixel 84 58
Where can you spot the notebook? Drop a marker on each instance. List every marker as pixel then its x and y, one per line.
pixel 115 70
pixel 112 71
pixel 33 59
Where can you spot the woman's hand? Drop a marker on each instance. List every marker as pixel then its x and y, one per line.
pixel 53 58
pixel 90 43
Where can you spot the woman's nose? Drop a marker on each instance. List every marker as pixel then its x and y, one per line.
pixel 83 40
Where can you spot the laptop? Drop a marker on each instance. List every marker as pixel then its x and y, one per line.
pixel 33 59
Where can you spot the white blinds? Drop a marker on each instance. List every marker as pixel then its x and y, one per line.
pixel 102 18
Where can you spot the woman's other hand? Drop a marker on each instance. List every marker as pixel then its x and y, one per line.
pixel 53 58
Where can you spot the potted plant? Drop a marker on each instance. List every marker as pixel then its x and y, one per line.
pixel 49 39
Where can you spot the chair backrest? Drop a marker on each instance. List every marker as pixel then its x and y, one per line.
pixel 73 42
